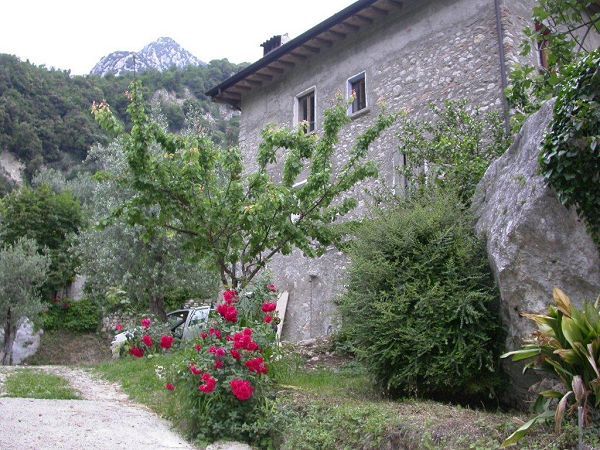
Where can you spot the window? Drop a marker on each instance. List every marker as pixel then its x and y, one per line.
pixel 358 92
pixel 543 45
pixel 306 110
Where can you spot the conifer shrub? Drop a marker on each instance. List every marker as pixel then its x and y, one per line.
pixel 421 306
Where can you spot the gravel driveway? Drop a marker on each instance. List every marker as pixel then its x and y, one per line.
pixel 104 419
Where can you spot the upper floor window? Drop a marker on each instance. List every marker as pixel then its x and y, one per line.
pixel 306 109
pixel 357 90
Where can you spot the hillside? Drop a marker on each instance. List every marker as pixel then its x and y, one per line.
pixel 45 113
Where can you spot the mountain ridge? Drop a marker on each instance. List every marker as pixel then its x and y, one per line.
pixel 162 54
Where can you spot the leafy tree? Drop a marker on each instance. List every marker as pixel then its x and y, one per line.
pixel 562 32
pixel 148 267
pixel 453 148
pixel 236 222
pixel 51 220
pixel 22 272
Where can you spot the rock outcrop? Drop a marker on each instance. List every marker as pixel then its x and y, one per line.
pixel 27 341
pixel 160 55
pixel 533 242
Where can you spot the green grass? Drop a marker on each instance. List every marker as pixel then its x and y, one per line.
pixel 139 380
pixel 37 384
pixel 341 409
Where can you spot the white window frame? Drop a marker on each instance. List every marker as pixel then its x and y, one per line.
pixel 297 98
pixel 349 82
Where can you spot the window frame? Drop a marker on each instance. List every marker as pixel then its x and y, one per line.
pixel 349 82
pixel 297 98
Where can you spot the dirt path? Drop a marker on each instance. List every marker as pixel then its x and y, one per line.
pixel 104 419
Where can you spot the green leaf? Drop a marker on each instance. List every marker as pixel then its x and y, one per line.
pixel 522 431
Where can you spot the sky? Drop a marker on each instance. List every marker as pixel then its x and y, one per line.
pixel 75 34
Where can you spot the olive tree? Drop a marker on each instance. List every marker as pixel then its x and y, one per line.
pixel 22 272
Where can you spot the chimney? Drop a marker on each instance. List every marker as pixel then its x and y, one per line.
pixel 274 42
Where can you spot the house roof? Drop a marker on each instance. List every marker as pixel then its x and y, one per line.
pixel 280 60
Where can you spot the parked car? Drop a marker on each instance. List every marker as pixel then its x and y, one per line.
pixel 185 324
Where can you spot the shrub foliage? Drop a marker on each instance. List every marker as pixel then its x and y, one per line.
pixel 420 305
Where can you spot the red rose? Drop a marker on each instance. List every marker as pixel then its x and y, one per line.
pixel 166 342
pixel 228 312
pixel 146 323
pixel 198 348
pixel 203 335
pixel 248 331
pixel 170 387
pixel 271 288
pixel 219 364
pixel 147 340
pixel 269 307
pixel 242 389
pixel 215 332
pixel 257 365
pixel 137 352
pixel 119 328
pixel 221 352
pixel 235 354
pixel 243 341
pixel 268 319
pixel 230 296
pixel 195 370
pixel 210 384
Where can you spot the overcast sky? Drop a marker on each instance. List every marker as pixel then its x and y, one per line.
pixel 75 34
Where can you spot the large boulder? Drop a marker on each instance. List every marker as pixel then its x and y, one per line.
pixel 533 242
pixel 27 341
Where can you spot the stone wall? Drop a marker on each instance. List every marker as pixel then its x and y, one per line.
pixel 430 51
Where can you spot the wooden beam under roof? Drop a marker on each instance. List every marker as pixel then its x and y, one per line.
pixel 392 3
pixel 323 41
pixel 251 82
pixel 271 68
pixel 361 18
pixel 337 34
pixel 297 55
pixel 284 63
pixel 379 10
pixel 262 75
pixel 311 48
pixel 240 87
pixel 349 26
pixel 230 95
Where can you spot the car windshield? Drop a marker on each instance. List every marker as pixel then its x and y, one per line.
pixel 177 319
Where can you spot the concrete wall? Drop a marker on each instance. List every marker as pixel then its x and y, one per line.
pixel 429 51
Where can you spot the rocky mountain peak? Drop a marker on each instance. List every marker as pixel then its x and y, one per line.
pixel 162 54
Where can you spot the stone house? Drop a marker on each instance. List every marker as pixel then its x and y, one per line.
pixel 404 54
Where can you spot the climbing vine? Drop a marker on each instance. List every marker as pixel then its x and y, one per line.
pixel 570 158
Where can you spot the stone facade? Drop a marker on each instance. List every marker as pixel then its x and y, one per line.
pixel 425 52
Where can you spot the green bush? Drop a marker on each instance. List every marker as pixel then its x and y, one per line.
pixel 82 316
pixel 420 308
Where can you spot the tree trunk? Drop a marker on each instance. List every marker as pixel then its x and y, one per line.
pixel 9 338
pixel 157 306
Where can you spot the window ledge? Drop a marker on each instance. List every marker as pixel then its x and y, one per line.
pixel 360 113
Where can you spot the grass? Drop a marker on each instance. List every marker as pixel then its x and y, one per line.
pixel 37 384
pixel 341 409
pixel 68 348
pixel 139 380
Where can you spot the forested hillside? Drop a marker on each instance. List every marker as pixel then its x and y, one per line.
pixel 45 114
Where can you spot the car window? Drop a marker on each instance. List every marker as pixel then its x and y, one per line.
pixel 177 322
pixel 199 317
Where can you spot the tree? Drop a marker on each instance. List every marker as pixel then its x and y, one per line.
pixel 22 272
pixel 239 221
pixel 116 255
pixel 51 220
pixel 562 34
pixel 453 149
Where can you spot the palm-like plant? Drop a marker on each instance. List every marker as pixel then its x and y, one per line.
pixel 566 343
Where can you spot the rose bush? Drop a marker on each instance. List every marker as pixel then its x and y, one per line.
pixel 146 339
pixel 220 382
